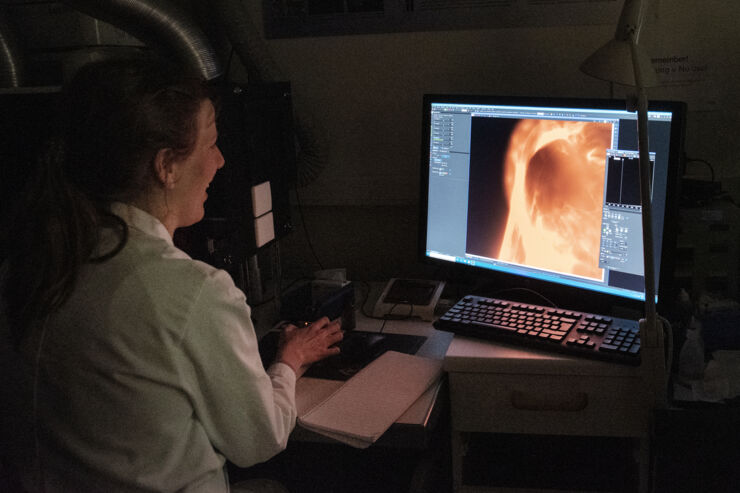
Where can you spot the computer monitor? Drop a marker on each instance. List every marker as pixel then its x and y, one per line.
pixel 543 194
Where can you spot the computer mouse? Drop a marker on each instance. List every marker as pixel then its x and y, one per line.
pixel 360 344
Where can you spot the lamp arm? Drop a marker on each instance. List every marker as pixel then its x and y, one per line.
pixel 646 200
pixel 651 329
pixel 630 20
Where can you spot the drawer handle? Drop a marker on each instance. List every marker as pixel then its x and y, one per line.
pixel 571 402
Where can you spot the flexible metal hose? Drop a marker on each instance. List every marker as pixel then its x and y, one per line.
pixel 11 68
pixel 157 23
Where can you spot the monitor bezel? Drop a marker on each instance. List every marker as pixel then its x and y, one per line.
pixel 488 282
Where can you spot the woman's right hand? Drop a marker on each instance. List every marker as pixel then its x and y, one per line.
pixel 301 346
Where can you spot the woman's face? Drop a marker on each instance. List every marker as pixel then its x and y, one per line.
pixel 196 171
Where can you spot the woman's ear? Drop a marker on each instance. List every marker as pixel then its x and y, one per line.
pixel 164 168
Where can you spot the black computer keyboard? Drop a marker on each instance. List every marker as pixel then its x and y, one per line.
pixel 552 329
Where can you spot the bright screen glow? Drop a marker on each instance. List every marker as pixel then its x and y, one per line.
pixel 547 191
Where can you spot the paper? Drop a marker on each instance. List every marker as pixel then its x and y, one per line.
pixel 367 404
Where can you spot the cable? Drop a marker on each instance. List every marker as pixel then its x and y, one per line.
pixel 668 343
pixel 41 483
pixel 228 64
pixel 703 161
pixel 728 198
pixel 364 302
pixel 526 290
pixel 305 230
pixel 277 275
pixel 382 326
pixel 390 316
pixel 718 193
pixel 387 316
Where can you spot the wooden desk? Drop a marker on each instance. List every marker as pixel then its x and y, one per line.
pixel 509 391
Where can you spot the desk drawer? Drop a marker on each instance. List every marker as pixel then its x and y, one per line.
pixel 548 404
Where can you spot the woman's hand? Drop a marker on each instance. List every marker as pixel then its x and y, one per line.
pixel 301 346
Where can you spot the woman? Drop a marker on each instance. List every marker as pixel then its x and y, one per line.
pixel 138 368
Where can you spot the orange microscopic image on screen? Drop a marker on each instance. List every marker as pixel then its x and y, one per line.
pixel 554 185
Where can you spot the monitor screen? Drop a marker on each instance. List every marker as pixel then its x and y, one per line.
pixel 543 193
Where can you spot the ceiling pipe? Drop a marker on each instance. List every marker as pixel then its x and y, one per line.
pixel 246 41
pixel 252 50
pixel 11 66
pixel 157 23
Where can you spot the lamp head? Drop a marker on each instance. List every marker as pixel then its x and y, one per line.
pixel 614 61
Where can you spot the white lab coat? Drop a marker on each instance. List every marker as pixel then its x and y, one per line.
pixel 149 376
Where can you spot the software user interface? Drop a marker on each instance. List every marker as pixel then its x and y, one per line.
pixel 545 192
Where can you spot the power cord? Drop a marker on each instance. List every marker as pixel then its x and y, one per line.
pixel 698 191
pixel 702 161
pixel 364 301
pixel 305 229
pixel 390 316
pixel 526 290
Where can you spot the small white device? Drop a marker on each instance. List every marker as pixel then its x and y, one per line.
pixel 409 298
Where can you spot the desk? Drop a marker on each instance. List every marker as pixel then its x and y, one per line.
pixel 412 456
pixel 413 428
pixel 502 391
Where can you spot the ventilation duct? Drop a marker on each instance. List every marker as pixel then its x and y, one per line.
pixel 159 24
pixel 246 41
pixel 11 68
pixel 252 51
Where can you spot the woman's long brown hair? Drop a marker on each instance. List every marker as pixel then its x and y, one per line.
pixel 116 115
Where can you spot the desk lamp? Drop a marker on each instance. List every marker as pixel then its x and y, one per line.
pixel 623 61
